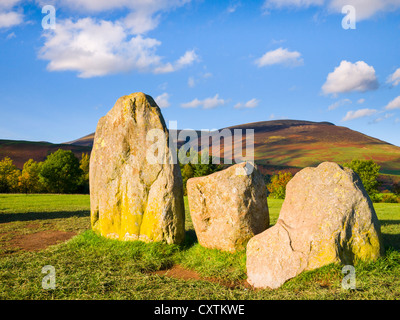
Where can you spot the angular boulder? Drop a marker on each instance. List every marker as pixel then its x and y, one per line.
pixel 132 198
pixel 228 207
pixel 326 217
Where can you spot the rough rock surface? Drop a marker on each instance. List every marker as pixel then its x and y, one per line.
pixel 228 207
pixel 326 217
pixel 131 198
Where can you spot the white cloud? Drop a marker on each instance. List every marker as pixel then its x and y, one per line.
pixel 97 48
pixel 361 101
pixel 10 19
pixel 208 103
pixel 365 9
pixel 11 36
pixel 349 77
pixel 162 100
pixel 394 104
pixel 280 56
pixel 187 59
pixel 339 103
pixel 143 16
pixel 8 16
pixel 351 115
pixel 249 104
pixel 394 78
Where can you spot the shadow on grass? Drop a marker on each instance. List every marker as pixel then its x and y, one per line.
pixel 390 239
pixel 190 239
pixel 31 216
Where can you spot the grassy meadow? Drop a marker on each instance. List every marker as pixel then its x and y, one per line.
pixel 91 267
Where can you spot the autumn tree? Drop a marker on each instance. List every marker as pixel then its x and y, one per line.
pixel 368 172
pixel 29 181
pixel 84 163
pixel 277 186
pixel 9 176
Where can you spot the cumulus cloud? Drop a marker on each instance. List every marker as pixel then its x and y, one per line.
pixel 394 78
pixel 349 77
pixel 162 100
pixel 394 104
pixel 9 16
pixel 208 103
pixel 351 115
pixel 95 47
pixel 280 56
pixel 249 104
pixel 143 15
pixel 365 9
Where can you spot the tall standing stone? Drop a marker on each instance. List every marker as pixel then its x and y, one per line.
pixel 326 217
pixel 132 198
pixel 228 207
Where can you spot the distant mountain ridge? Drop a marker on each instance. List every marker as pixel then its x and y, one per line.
pixel 278 145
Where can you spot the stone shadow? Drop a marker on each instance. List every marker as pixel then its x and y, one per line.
pixel 31 216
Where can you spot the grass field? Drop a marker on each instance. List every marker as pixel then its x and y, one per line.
pixel 91 267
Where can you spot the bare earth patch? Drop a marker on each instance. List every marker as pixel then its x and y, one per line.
pixel 39 240
pixel 179 272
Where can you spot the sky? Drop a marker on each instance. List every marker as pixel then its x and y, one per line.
pixel 208 64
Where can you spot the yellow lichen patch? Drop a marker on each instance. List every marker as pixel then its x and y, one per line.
pixel 366 247
pixel 150 227
pixel 322 253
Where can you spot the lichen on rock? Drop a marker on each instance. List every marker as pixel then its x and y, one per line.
pixel 326 217
pixel 132 199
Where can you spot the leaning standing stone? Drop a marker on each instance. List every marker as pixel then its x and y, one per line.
pixel 228 207
pixel 326 217
pixel 132 199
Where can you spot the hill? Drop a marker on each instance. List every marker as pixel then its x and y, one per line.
pixel 21 151
pixel 298 144
pixel 278 145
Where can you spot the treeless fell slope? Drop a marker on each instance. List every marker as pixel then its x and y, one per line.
pixel 293 143
pixel 22 151
pixel 279 144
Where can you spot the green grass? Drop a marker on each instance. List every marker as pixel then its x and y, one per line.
pixel 91 267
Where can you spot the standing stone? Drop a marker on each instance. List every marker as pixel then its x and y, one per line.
pixel 327 217
pixel 228 207
pixel 131 198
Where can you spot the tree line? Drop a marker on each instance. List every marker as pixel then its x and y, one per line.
pixel 61 172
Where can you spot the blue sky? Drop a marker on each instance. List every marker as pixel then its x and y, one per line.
pixel 208 64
